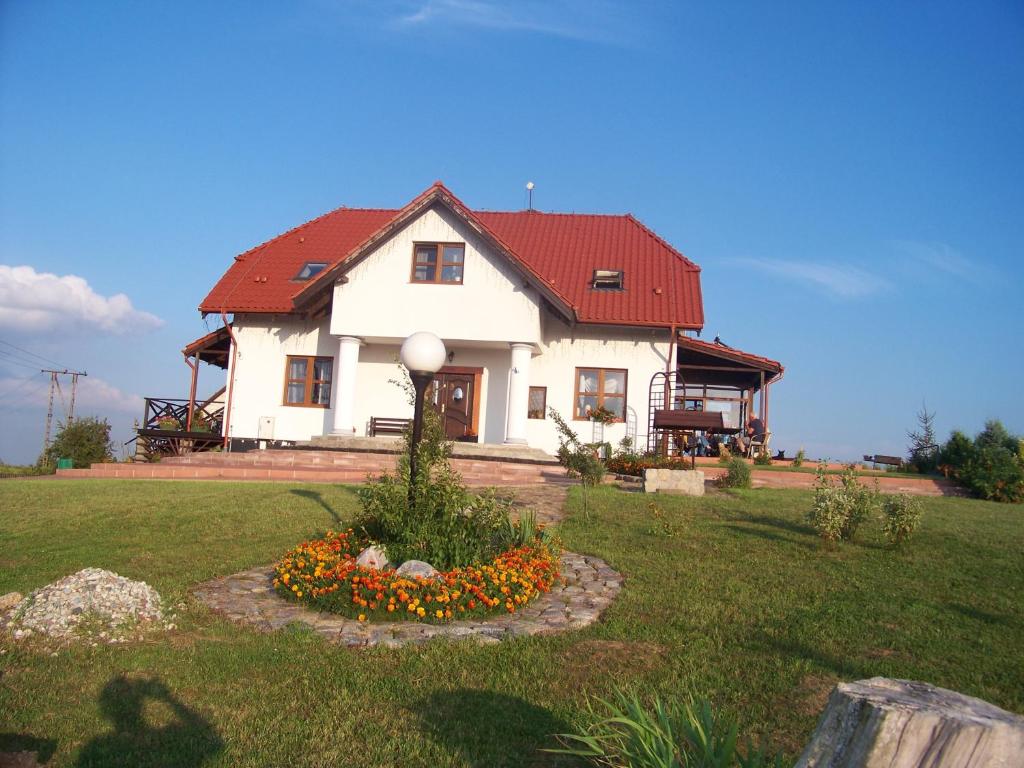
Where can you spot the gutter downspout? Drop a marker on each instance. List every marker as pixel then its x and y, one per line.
pixel 231 381
pixel 192 392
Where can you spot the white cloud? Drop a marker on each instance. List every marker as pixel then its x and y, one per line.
pixel 569 18
pixel 33 301
pixel 94 396
pixel 840 280
pixel 944 258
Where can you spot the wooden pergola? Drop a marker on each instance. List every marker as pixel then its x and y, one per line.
pixel 712 386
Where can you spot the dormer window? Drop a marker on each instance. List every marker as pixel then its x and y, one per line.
pixel 607 280
pixel 310 270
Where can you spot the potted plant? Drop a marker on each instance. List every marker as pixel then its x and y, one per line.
pixel 168 423
pixel 603 416
pixel 201 422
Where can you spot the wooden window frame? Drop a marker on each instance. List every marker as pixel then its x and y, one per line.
pixel 439 265
pixel 600 394
pixel 309 381
pixel 544 408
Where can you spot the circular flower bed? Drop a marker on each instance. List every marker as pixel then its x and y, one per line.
pixel 323 573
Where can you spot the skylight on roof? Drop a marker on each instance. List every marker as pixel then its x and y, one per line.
pixel 310 270
pixel 607 280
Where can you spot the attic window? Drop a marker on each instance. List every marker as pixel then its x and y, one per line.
pixel 310 270
pixel 607 280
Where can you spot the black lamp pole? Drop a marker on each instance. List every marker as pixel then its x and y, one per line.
pixel 420 381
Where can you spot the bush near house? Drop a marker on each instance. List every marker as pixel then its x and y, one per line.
pixel 84 441
pixel 737 474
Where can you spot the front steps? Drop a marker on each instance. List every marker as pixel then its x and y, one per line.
pixel 313 466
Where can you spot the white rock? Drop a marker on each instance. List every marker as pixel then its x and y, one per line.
pixel 8 601
pixel 412 569
pixel 686 482
pixel 904 724
pixel 373 557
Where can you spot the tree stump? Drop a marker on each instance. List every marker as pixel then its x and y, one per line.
pixel 903 724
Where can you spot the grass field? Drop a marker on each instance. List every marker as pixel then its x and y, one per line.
pixel 736 601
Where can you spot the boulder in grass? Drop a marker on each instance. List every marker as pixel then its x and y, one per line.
pixel 888 723
pixel 9 601
pixel 373 557
pixel 417 569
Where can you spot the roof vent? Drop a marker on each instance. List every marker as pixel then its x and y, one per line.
pixel 607 280
pixel 310 270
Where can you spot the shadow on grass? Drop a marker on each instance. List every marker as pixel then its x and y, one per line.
pixel 187 740
pixel 846 669
pixel 315 496
pixel 13 745
pixel 778 522
pixel 979 615
pixel 769 536
pixel 465 722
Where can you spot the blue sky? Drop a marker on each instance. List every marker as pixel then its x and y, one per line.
pixel 850 177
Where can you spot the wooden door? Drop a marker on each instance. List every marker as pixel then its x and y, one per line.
pixel 454 397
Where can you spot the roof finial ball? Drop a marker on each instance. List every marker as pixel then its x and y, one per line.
pixel 422 354
pixel 529 192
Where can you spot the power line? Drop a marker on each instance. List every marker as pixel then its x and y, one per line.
pixel 33 354
pixel 18 390
pixel 15 361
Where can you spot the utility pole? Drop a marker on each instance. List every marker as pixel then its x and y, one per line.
pixel 55 385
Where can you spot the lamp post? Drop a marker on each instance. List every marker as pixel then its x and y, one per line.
pixel 422 354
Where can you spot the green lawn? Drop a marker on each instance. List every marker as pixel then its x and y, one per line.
pixel 739 604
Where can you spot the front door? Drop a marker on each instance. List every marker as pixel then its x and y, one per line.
pixel 454 397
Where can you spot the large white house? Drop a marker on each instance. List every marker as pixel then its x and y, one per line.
pixel 537 310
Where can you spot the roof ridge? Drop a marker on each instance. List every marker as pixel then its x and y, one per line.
pixel 554 213
pixel 651 233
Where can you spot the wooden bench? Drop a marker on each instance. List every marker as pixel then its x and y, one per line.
pixel 380 425
pixel 892 461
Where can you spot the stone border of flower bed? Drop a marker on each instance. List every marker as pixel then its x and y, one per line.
pixel 584 588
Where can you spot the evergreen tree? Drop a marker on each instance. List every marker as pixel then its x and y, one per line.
pixel 923 447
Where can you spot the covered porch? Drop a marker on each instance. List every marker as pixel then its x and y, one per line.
pixel 175 426
pixel 713 387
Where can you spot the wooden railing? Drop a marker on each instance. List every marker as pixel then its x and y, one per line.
pixel 171 415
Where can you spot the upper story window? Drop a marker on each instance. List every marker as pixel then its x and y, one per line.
pixel 307 381
pixel 438 263
pixel 600 388
pixel 310 270
pixel 607 280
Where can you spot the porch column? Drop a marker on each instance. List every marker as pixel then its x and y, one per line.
pixel 518 394
pixel 345 389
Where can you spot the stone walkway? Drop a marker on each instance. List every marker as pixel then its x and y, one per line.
pixel 586 586
pixel 546 499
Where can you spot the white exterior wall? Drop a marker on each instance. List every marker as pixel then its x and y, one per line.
pixel 380 301
pixel 477 320
pixel 641 352
pixel 264 342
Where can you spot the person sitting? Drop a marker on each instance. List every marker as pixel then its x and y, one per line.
pixel 714 441
pixel 703 446
pixel 755 431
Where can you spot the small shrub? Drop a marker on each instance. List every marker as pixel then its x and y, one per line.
pixel 763 459
pixel 737 475
pixel 901 514
pixel 578 459
pixel 840 506
pixel 798 460
pixel 994 473
pixel 627 733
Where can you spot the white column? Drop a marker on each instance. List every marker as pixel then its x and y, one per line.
pixel 345 365
pixel 518 394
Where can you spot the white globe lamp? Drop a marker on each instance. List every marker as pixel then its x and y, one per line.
pixel 423 352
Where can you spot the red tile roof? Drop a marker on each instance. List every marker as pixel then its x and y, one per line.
pixel 718 349
pixel 559 251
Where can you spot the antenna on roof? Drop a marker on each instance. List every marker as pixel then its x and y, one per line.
pixel 529 192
